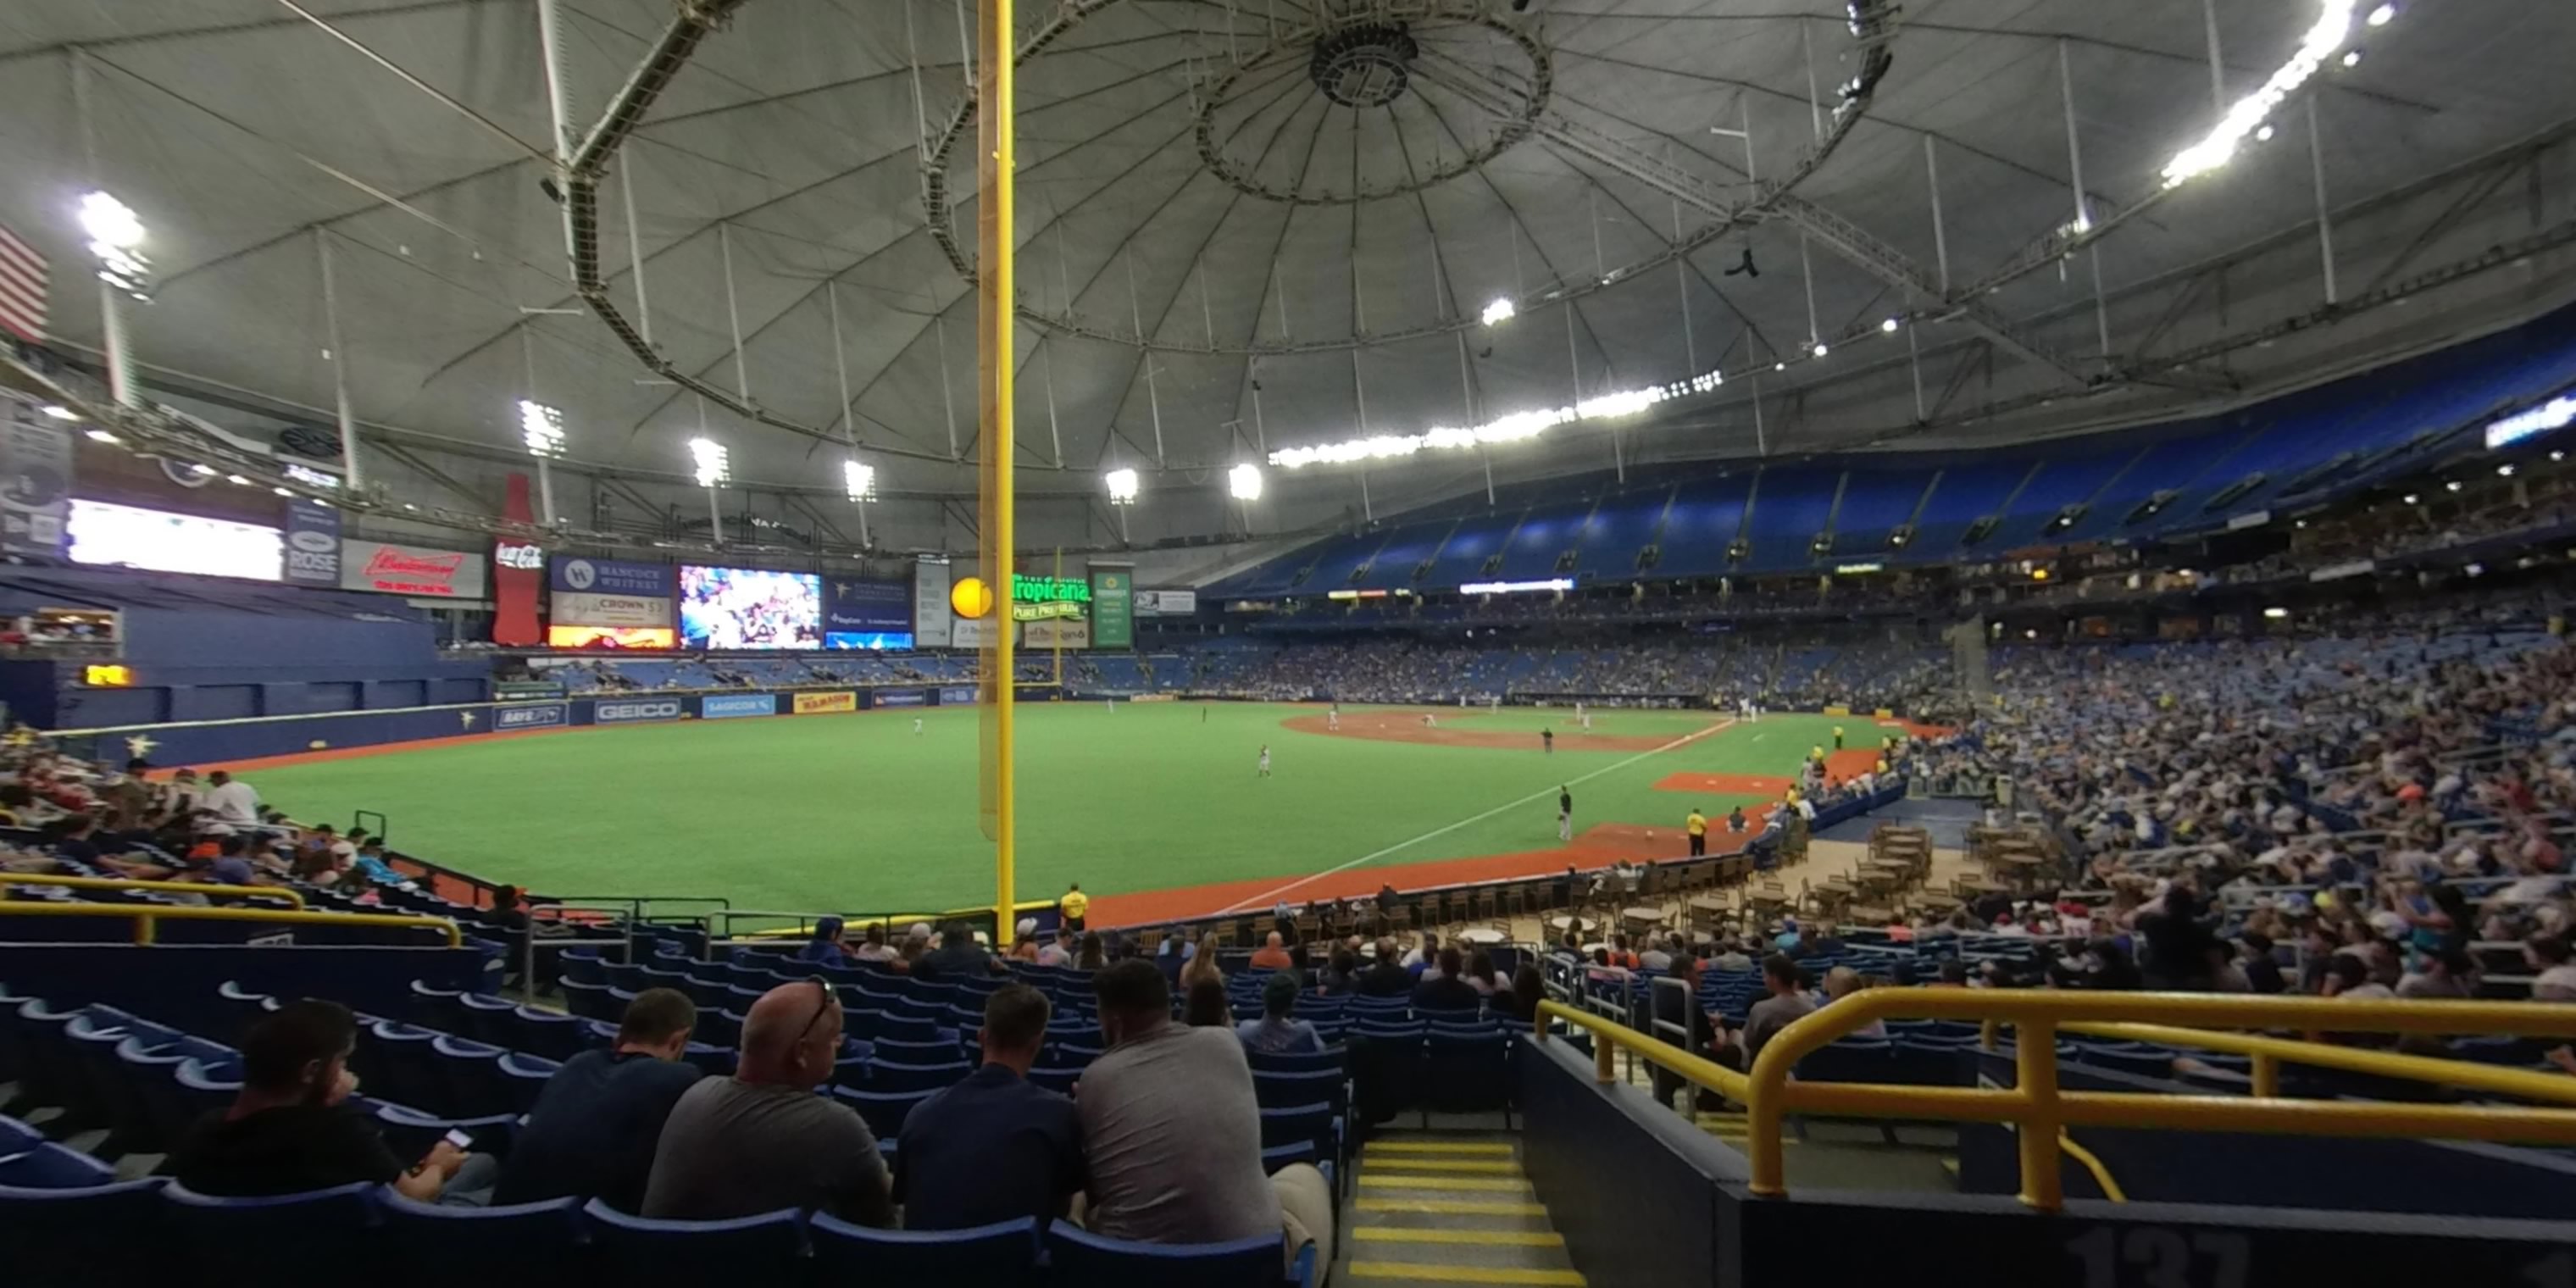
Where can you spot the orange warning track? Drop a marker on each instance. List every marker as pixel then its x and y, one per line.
pixel 1596 847
pixel 1407 726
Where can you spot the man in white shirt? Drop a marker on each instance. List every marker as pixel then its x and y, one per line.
pixel 232 800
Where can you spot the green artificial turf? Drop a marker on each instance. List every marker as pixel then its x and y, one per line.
pixel 856 812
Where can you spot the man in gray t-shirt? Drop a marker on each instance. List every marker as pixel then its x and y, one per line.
pixel 1171 1132
pixel 761 1140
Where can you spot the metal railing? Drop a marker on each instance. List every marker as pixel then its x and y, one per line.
pixel 294 898
pixel 2042 1113
pixel 147 917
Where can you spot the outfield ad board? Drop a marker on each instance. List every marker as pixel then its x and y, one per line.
pixel 903 697
pixel 814 704
pixel 540 715
pixel 1061 632
pixel 637 710
pixel 726 706
pixel 957 695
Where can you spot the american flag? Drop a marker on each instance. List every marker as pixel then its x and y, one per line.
pixel 22 288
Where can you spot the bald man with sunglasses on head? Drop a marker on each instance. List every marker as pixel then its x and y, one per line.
pixel 761 1140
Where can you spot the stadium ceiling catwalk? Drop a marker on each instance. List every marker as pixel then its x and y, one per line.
pixel 1255 227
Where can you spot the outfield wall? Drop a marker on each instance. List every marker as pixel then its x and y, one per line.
pixel 252 737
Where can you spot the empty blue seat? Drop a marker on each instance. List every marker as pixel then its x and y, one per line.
pixel 584 965
pixel 1000 1254
pixel 472 1072
pixel 718 1027
pixel 884 1111
pixel 588 1000
pixel 693 1254
pixel 47 1166
pixel 314 1237
pixel 241 1007
pixel 487 1019
pixel 521 1243
pixel 525 1077
pixel 544 1033
pixel 17 1137
pixel 81 1235
pixel 1314 1124
pixel 894 1075
pixel 1468 1074
pixel 437 1008
pixel 909 1051
pixel 1333 1058
pixel 1081 1259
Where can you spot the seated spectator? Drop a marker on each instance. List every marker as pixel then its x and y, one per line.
pixel 1529 988
pixel 958 957
pixel 1171 1131
pixel 1788 1001
pixel 2262 970
pixel 1386 977
pixel 1206 1006
pixel 1483 977
pixel 1273 954
pixel 1423 958
pixel 596 1124
pixel 1842 982
pixel 2348 978
pixel 824 947
pixel 1024 940
pixel 1092 957
pixel 995 1146
pixel 1341 976
pixel 872 946
pixel 2450 973
pixel 761 1140
pixel 1445 991
pixel 1278 1031
pixel 290 1129
pixel 1201 964
pixel 1059 952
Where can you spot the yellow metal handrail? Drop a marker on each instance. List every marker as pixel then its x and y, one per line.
pixel 2042 1113
pixel 211 891
pixel 147 917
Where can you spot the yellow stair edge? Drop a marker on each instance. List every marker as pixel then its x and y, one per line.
pixel 1427 1272
pixel 1510 1238
pixel 1437 1147
pixel 1512 1185
pixel 1455 1165
pixel 1451 1207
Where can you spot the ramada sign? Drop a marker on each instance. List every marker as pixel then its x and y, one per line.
pixel 397 571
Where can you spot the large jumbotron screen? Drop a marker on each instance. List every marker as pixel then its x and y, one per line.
pixel 723 608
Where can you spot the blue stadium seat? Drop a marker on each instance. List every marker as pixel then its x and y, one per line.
pixel 437 1008
pixel 713 1061
pixel 314 1237
pixel 584 965
pixel 83 1235
pixel 525 1077
pixel 768 1248
pixel 589 1001
pixel 1315 1124
pixel 1081 1259
pixel 908 1051
pixel 1333 1058
pixel 472 1074
pixel 487 1019
pixel 430 1246
pixel 17 1137
pixel 1463 1074
pixel 47 1166
pixel 545 1033
pixel 1055 1078
pixel 883 1110
pixel 895 1075
pixel 719 1027
pixel 242 1008
pixel 1002 1254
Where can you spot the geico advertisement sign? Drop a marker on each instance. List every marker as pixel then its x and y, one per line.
pixel 629 712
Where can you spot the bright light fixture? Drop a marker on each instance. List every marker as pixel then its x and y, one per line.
pixel 2453 485
pixel 2276 614
pixel 859 480
pixel 2379 17
pixel 542 428
pixel 2505 470
pixel 101 436
pixel 201 468
pixel 1820 349
pixel 2332 27
pixel 1889 326
pixel 1244 481
pixel 2265 134
pixel 714 465
pixel 1122 486
pixel 1779 366
pixel 2352 58
pixel 2557 413
pixel 1501 310
pixel 110 223
pixel 61 413
pixel 281 491
pixel 2412 499
pixel 237 480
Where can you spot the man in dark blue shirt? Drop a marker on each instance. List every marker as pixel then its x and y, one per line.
pixel 995 1146
pixel 600 1117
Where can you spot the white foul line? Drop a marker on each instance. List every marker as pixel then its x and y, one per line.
pixel 1264 900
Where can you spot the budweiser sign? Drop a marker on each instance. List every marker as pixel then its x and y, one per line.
pixel 407 570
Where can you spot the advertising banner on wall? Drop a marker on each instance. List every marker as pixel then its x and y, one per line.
pixel 725 706
pixel 1061 632
pixel 609 603
pixel 612 637
pixel 36 479
pixel 903 697
pixel 637 710
pixel 815 704
pixel 579 608
pixel 582 575
pixel 930 615
pixel 1113 610
pixel 312 543
pixel 544 715
pixel 417 571
pixel 863 613
pixel 972 632
pixel 957 695
pixel 1166 603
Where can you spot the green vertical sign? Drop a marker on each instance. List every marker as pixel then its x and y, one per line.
pixel 1113 608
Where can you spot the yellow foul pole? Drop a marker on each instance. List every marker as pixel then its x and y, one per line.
pixel 997 296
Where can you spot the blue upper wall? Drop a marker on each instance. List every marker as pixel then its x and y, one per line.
pixel 2297 449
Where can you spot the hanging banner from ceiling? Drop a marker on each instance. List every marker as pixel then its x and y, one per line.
pixel 417 571
pixel 1112 606
pixel 35 478
pixel 1063 632
pixel 312 543
pixel 930 614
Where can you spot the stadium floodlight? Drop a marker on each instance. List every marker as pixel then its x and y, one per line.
pixel 2352 58
pixel 1889 326
pixel 101 436
pixel 542 428
pixel 714 465
pixel 59 412
pixel 1820 349
pixel 1244 481
pixel 116 240
pixel 2452 486
pixel 2505 470
pixel 2380 16
pixel 859 480
pixel 2264 135
pixel 2319 42
pixel 1500 311
pixel 1122 486
pixel 2557 413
